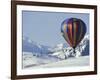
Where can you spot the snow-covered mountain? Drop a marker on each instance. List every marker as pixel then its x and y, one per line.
pixel 33 47
pixel 64 52
pixel 83 47
pixel 59 47
pixel 35 54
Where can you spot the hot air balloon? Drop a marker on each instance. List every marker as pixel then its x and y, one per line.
pixel 73 31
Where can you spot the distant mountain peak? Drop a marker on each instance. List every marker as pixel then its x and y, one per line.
pixel 35 48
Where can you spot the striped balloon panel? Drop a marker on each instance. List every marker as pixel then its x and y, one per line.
pixel 63 31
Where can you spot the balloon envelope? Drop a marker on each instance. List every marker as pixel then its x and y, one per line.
pixel 73 31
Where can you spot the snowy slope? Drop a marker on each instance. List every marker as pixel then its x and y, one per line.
pixel 80 61
pixel 30 60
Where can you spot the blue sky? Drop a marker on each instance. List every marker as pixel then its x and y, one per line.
pixel 44 27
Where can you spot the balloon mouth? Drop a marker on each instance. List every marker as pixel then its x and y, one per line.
pixel 74 47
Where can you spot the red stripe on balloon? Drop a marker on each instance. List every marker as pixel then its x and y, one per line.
pixel 70 33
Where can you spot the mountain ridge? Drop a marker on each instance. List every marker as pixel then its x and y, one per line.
pixel 37 49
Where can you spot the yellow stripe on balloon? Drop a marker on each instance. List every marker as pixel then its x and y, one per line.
pixel 74 24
